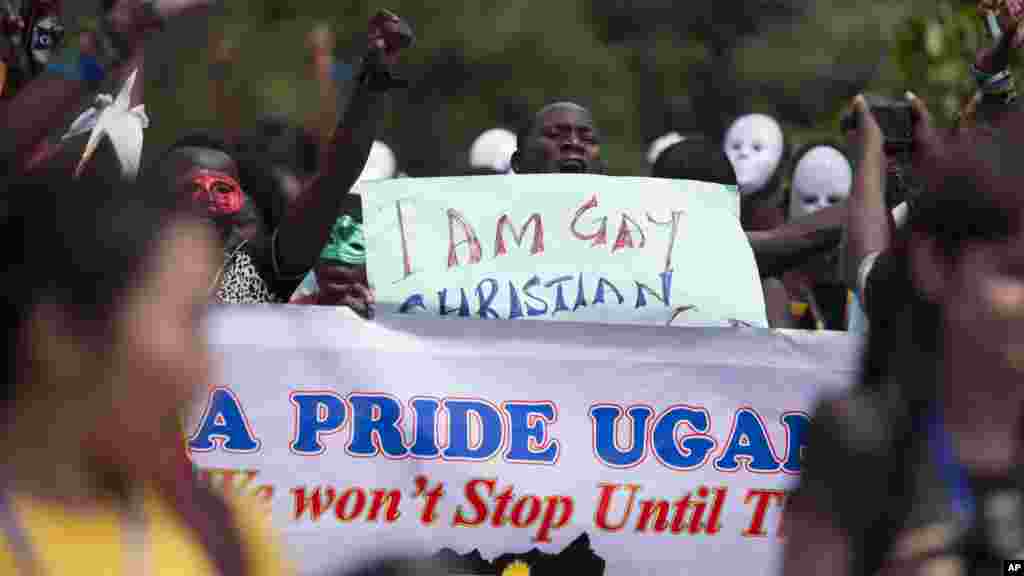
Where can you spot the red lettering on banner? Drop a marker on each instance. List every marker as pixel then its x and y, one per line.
pixel 548 524
pixel 656 510
pixel 764 500
pixel 346 513
pixel 476 501
pixel 674 223
pixel 429 515
pixel 503 499
pixel 314 502
pixel 530 503
pixel 714 525
pixel 406 259
pixel 538 234
pixel 382 498
pixel 601 236
pixel 470 239
pixel 604 506
pixel 624 239
pixel 546 513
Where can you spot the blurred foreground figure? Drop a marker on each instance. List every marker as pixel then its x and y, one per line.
pixel 920 469
pixel 106 345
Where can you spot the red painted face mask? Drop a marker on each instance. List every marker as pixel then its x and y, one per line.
pixel 216 193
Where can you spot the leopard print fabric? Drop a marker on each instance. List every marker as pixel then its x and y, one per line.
pixel 241 283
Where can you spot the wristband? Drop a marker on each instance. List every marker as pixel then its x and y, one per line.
pixel 342 72
pixel 980 76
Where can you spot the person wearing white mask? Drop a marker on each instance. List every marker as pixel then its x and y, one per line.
pixel 756 148
pixel 492 150
pixel 822 177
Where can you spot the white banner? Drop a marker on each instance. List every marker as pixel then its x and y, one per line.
pixel 669 448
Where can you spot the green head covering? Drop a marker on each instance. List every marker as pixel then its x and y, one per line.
pixel 346 244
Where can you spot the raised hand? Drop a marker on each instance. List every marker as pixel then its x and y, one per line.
pixel 388 36
pixel 927 141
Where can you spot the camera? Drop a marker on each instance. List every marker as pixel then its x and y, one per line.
pixel 894 118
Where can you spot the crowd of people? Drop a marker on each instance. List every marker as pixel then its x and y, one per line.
pixel 112 265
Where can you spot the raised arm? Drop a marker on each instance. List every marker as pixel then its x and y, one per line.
pixel 45 103
pixel 306 226
pixel 868 229
pixel 790 245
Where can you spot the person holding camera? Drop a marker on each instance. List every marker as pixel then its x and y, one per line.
pixel 920 468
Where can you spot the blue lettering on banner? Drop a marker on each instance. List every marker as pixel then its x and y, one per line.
pixel 748 442
pixel 530 310
pixel 694 450
pixel 316 414
pixel 528 432
pixel 485 310
pixel 459 429
pixel 375 421
pixel 225 422
pixel 489 293
pixel 679 437
pixel 515 309
pixel 605 418
pixel 414 301
pixel 559 294
pixel 796 440
pixel 666 291
pixel 463 309
pixel 425 428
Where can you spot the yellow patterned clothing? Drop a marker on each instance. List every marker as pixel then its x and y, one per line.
pixel 65 542
pixel 835 302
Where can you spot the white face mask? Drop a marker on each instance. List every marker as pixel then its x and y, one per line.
pixel 823 177
pixel 493 149
pixel 754 146
pixel 46 39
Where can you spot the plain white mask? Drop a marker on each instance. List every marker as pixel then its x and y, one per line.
pixel 822 177
pixel 493 149
pixel 754 146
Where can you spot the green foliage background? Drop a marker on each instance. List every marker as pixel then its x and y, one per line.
pixel 644 67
